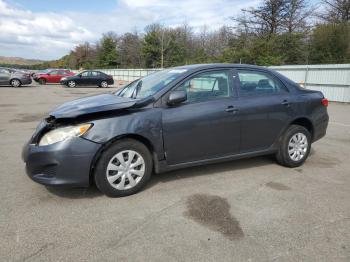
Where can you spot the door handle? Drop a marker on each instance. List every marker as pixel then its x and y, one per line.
pixel 285 103
pixel 231 109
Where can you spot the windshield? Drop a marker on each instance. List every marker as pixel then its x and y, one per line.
pixel 151 84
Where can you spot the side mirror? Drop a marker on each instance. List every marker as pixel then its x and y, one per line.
pixel 177 97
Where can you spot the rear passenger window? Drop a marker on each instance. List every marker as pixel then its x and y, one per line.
pixel 95 74
pixel 256 83
pixel 206 86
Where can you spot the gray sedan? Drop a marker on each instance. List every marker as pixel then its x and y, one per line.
pixel 175 118
pixel 14 78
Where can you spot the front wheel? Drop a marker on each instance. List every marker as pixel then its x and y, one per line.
pixel 294 147
pixel 71 83
pixel 104 84
pixel 15 83
pixel 124 168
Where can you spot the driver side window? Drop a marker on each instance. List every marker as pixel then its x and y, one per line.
pixel 85 74
pixel 206 86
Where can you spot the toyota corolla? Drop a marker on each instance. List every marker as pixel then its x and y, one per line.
pixel 175 118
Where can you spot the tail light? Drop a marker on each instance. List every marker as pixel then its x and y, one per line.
pixel 325 102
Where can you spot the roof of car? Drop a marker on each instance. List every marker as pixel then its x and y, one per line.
pixel 218 65
pixel 92 70
pixel 197 67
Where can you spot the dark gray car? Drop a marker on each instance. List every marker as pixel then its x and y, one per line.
pixel 175 118
pixel 14 78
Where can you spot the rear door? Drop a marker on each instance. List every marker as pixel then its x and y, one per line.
pixel 205 126
pixel 265 109
pixel 61 73
pixel 4 76
pixel 95 78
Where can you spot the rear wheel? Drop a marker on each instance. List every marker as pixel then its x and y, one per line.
pixel 15 83
pixel 104 84
pixel 71 83
pixel 294 147
pixel 124 168
pixel 42 81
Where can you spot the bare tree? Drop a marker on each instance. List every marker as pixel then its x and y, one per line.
pixel 130 50
pixel 337 11
pixel 296 16
pixel 268 18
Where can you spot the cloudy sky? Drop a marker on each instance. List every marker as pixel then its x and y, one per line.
pixel 49 29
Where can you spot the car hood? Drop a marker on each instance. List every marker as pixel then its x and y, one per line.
pixel 92 104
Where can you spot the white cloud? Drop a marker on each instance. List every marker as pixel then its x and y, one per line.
pixel 51 35
pixel 38 35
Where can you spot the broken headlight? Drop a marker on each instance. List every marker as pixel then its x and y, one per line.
pixel 63 133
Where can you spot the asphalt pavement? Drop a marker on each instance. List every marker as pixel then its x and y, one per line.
pixel 244 210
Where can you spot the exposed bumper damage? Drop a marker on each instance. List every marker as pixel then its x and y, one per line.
pixel 69 162
pixel 64 163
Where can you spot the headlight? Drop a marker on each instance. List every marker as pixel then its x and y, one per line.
pixel 63 133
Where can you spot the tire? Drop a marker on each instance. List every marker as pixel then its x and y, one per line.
pixel 42 81
pixel 119 184
pixel 15 83
pixel 71 83
pixel 104 84
pixel 292 150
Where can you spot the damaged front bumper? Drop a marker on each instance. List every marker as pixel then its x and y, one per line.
pixel 63 163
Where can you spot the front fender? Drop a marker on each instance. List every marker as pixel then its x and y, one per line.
pixel 144 122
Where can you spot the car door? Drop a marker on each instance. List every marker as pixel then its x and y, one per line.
pixel 264 108
pixel 205 126
pixel 4 76
pixel 53 77
pixel 61 73
pixel 95 78
pixel 85 78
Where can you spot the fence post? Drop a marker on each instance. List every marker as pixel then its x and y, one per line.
pixel 306 75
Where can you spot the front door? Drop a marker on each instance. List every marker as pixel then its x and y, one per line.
pixel 206 125
pixel 53 76
pixel 85 78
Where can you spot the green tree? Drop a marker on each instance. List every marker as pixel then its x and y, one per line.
pixel 330 43
pixel 293 48
pixel 151 48
pixel 107 51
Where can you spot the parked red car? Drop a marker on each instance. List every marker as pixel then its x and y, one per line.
pixel 53 76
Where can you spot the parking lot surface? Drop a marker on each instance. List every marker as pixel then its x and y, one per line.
pixel 245 210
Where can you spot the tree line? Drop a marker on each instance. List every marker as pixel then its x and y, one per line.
pixel 276 32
